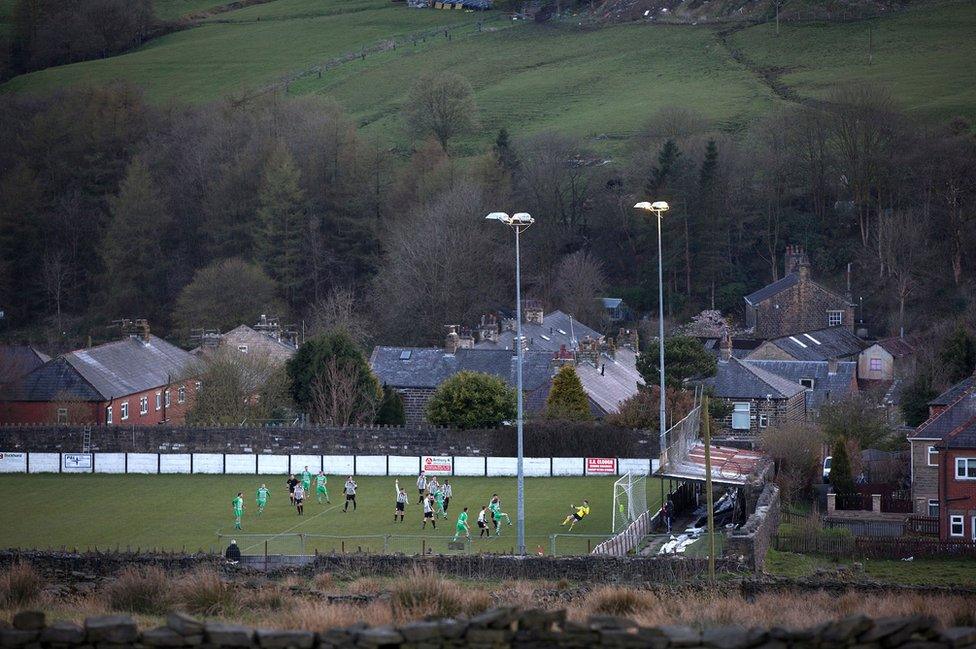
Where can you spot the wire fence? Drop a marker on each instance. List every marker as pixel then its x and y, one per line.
pixel 301 543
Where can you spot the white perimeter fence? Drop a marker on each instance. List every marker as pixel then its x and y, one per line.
pixel 363 465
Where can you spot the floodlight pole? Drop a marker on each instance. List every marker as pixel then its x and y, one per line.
pixel 708 488
pixel 660 322
pixel 520 516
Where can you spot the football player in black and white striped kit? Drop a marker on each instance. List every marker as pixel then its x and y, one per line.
pixel 401 502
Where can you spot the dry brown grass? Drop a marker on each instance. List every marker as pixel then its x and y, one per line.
pixel 323 581
pixel 365 586
pixel 140 590
pixel 424 593
pixel 203 592
pixel 317 615
pixel 263 599
pixel 623 602
pixel 20 585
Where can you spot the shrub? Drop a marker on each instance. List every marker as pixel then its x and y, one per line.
pixel 20 585
pixel 323 581
pixel 140 590
pixel 423 593
pixel 611 600
pixel 203 592
pixel 471 400
pixel 390 412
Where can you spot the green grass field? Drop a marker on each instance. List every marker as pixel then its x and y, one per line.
pixel 598 83
pixel 186 512
pixel 946 571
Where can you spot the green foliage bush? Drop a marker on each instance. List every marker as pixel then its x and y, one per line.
pixel 471 400
pixel 684 358
pixel 567 399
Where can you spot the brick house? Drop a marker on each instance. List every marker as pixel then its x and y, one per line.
pixel 18 360
pixel 957 484
pixel 949 411
pixel 139 380
pixel 757 397
pixel 796 303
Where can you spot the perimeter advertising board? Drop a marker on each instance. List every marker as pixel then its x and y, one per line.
pixel 437 464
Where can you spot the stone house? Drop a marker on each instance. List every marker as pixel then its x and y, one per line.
pixel 823 381
pixel 757 398
pixel 247 340
pixel 795 303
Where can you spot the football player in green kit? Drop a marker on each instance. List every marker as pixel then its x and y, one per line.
pixel 307 481
pixel 238 510
pixel 262 498
pixel 462 525
pixel 321 490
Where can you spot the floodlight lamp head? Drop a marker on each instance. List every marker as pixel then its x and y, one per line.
pixel 522 218
pixel 498 216
pixel 657 206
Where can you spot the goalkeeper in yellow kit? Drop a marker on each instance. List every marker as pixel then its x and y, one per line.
pixel 578 515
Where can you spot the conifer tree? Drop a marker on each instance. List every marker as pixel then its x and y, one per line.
pixel 840 470
pixel 281 218
pixel 567 398
pixel 135 266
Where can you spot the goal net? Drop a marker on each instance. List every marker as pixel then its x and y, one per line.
pixel 629 500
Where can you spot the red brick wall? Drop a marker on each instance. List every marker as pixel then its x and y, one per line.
pixel 46 412
pixel 959 497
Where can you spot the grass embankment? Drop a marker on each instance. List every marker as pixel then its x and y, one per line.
pixel 918 572
pixel 528 78
pixel 176 512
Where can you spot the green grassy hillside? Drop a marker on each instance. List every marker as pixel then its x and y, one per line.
pixel 527 77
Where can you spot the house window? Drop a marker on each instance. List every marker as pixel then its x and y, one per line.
pixel 835 318
pixel 197 385
pixel 124 410
pixel 763 420
pixel 62 415
pixel 242 349
pixel 144 406
pixel 956 526
pixel 108 415
pixel 167 398
pixel 934 508
pixel 966 468
pixel 181 395
pixel 875 364
pixel 159 400
pixel 933 456
pixel 808 384
pixel 740 416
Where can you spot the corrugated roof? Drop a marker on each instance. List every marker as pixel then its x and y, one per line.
pixel 826 386
pixel 729 465
pixel 736 379
pixel 428 367
pixel 776 287
pixel 821 344
pixel 105 372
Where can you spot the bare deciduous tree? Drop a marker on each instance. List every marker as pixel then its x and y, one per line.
pixel 237 387
pixel 336 397
pixel 579 281
pixel 442 104
pixel 340 310
pixel 903 244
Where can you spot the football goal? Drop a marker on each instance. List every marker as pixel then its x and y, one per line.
pixel 629 500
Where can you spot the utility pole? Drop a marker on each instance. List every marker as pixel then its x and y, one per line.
pixel 708 489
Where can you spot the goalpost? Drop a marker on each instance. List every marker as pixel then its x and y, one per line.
pixel 629 500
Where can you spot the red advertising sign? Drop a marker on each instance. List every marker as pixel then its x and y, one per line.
pixel 437 465
pixel 601 465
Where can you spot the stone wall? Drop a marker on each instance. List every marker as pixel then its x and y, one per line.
pixel 498 628
pixel 377 440
pixel 750 543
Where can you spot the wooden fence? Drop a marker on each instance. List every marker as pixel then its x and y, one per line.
pixel 928 525
pixel 857 547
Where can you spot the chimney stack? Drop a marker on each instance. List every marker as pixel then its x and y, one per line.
pixel 452 341
pixel 533 312
pixel 725 346
pixel 831 366
pixel 795 260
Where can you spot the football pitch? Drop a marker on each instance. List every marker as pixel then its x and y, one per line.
pixel 188 512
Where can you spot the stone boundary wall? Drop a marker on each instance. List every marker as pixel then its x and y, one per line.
pixel 750 543
pixel 379 440
pixel 592 569
pixel 495 628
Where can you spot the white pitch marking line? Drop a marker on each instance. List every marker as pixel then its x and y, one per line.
pixel 324 511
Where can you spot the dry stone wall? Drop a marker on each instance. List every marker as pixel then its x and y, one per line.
pixel 497 628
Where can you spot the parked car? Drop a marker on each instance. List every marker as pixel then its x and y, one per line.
pixel 826 468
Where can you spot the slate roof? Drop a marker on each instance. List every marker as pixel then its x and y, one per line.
pixel 617 382
pixel 737 379
pixel 820 345
pixel 897 346
pixel 954 392
pixel 18 360
pixel 428 367
pixel 956 414
pixel 826 386
pixel 611 302
pixel 964 436
pixel 557 329
pixel 108 371
pixel 768 291
pixel 741 347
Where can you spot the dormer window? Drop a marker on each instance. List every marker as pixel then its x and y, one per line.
pixel 808 384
